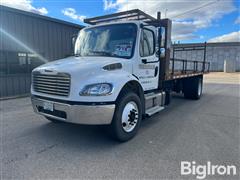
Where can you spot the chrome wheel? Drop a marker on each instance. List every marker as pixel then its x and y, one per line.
pixel 130 116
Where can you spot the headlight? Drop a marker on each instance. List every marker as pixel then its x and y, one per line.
pixel 100 89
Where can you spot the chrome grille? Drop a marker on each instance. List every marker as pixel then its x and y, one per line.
pixel 57 84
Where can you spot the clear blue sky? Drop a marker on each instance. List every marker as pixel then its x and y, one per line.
pixel 218 19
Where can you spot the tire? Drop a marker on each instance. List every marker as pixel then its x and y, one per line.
pixel 53 120
pixel 127 117
pixel 193 88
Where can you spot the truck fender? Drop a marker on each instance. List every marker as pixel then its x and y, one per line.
pixel 134 86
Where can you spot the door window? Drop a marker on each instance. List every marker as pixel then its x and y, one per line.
pixel 147 43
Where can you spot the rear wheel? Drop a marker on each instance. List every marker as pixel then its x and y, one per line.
pixel 127 117
pixel 193 88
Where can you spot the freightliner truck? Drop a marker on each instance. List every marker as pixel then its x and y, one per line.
pixel 120 73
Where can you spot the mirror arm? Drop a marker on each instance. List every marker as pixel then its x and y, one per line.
pixel 159 43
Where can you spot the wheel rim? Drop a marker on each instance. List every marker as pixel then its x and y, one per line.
pixel 199 88
pixel 130 116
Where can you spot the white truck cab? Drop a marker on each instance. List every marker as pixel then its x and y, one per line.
pixel 114 77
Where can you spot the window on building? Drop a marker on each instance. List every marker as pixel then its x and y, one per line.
pixel 18 62
pixel 147 43
pixel 33 61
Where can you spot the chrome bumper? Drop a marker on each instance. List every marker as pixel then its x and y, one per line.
pixel 79 114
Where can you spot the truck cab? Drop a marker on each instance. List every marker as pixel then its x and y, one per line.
pixel 116 76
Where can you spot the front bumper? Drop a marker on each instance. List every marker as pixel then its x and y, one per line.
pixel 79 114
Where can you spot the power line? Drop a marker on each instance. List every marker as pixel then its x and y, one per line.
pixel 200 7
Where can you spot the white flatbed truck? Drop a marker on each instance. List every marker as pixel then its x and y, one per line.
pixel 121 71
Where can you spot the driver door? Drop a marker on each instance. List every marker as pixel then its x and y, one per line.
pixel 147 69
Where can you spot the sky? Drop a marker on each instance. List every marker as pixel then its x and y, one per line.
pixel 193 20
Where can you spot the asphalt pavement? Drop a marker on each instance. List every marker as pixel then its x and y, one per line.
pixel 187 130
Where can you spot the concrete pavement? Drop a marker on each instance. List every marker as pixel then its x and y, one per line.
pixel 201 131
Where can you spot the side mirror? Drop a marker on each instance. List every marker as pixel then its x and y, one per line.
pixel 162 31
pixel 74 38
pixel 161 52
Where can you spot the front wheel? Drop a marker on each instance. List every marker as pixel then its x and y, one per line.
pixel 127 117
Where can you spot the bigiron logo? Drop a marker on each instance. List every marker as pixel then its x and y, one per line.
pixel 202 171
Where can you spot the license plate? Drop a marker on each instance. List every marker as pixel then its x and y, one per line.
pixel 48 106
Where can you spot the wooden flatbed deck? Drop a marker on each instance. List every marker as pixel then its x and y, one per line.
pixel 183 75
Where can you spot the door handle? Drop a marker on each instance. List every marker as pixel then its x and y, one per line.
pixel 156 71
pixel 144 61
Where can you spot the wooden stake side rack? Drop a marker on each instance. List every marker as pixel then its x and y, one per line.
pixel 188 67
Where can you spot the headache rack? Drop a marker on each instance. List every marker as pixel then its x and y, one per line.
pixel 134 14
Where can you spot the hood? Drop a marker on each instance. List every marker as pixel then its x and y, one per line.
pixel 84 64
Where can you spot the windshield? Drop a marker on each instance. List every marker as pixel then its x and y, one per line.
pixel 116 40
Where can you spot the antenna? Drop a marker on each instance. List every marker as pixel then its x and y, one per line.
pixel 158 15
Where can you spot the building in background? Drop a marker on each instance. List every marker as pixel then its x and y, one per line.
pixel 216 54
pixel 28 40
